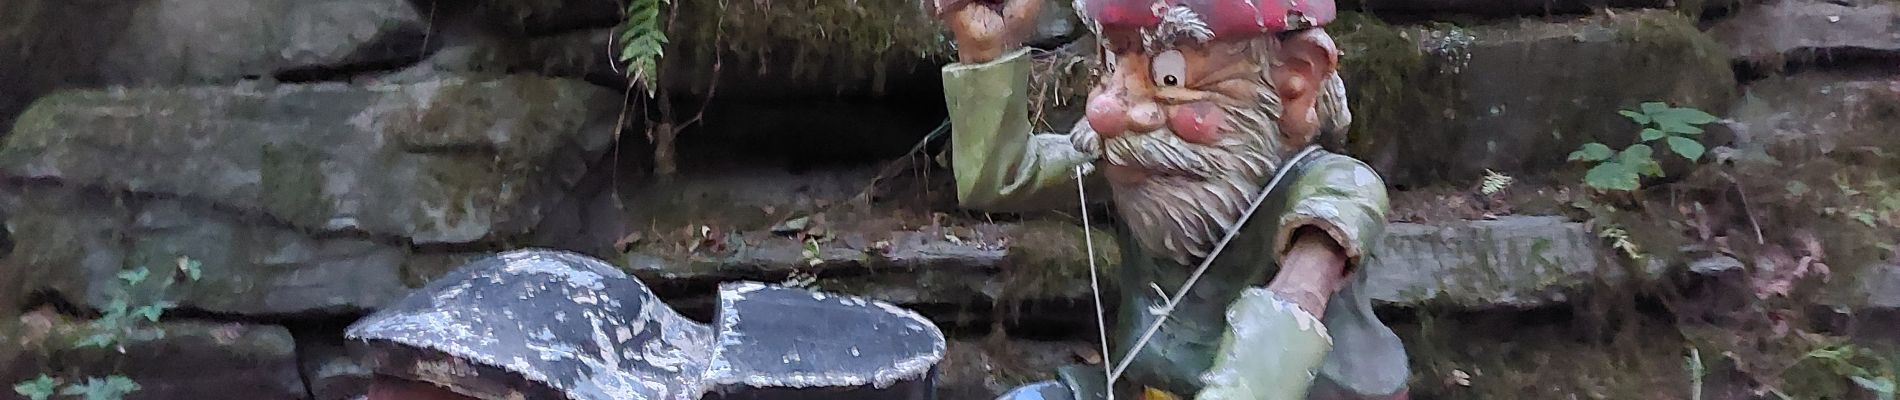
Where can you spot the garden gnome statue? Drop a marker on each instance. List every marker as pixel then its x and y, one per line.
pixel 1201 126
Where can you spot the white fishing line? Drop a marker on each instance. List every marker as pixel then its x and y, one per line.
pixel 1168 308
pixel 1095 282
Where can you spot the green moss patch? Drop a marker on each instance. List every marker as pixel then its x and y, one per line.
pixel 1514 356
pixel 1050 259
pixel 292 185
pixel 842 40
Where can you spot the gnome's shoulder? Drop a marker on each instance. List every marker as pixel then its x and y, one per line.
pixel 1337 171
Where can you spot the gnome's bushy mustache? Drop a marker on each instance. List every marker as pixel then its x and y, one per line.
pixel 1188 195
pixel 1249 142
pixel 1162 155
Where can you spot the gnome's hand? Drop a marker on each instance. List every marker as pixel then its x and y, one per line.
pixel 987 29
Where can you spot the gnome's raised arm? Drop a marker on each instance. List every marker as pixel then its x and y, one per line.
pixel 999 162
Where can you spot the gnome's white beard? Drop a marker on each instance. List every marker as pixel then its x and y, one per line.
pixel 1191 194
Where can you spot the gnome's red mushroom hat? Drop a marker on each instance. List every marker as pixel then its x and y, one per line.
pixel 1218 18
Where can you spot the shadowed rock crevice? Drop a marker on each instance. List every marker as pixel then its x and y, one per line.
pixel 329 372
pixel 1784 34
pixel 13 189
pixel 345 72
pixel 529 18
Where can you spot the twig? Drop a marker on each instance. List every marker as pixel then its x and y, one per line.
pixel 890 169
pixel 712 86
pixel 430 31
pixel 1746 209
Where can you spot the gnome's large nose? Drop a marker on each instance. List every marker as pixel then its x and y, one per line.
pixel 1112 111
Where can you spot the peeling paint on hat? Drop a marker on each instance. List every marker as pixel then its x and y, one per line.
pixel 1225 18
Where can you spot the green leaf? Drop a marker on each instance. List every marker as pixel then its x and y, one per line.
pixel 1679 127
pixel 100 340
pixel 115 308
pixel 1654 108
pixel 629 54
pixel 1592 152
pixel 135 276
pixel 1687 148
pixel 1651 168
pixel 193 269
pixel 1696 371
pixel 1640 118
pixel 122 385
pixel 645 40
pixel 1883 387
pixel 1651 134
pixel 1639 159
pixel 38 388
pixel 150 313
pixel 110 388
pixel 1636 154
pixel 1689 116
pixel 1611 176
pixel 1796 188
pixel 1865 217
pixel 1494 182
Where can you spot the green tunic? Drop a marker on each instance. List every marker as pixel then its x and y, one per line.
pixel 1256 346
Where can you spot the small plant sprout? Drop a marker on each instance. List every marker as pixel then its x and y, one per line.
pixel 1696 372
pixel 1673 128
pixel 108 388
pixel 1620 239
pixel 40 388
pixel 121 316
pixel 192 268
pixel 1494 182
pixel 814 255
pixel 1865 368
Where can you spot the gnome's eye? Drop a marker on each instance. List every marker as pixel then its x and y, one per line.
pixel 1169 69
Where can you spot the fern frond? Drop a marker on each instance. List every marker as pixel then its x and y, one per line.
pixel 1495 182
pixel 1620 240
pixel 643 41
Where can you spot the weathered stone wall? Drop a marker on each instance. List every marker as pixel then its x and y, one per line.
pixel 301 151
pixel 1517 96
pixel 66 44
pixel 321 158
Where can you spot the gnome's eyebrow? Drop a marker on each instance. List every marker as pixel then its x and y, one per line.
pixel 1178 23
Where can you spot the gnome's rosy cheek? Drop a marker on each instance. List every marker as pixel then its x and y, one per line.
pixel 1198 122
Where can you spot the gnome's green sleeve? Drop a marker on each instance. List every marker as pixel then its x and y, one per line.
pixel 1340 196
pixel 1000 163
pixel 1272 349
